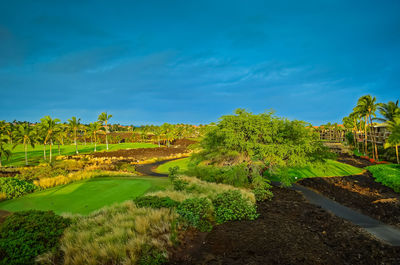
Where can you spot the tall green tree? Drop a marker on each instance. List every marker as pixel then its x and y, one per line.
pixel 389 111
pixel 394 138
pixel 26 135
pixel 5 151
pixel 74 125
pixel 103 119
pixel 93 129
pixel 366 107
pixel 50 127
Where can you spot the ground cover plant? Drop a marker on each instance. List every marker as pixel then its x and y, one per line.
pixel 87 195
pixel 13 187
pixel 25 235
pixel 388 175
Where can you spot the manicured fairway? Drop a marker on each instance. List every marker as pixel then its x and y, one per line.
pixel 86 196
pixel 181 163
pixel 35 155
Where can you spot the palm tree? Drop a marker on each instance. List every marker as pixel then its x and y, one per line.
pixel 26 135
pixel 74 125
pixel 388 111
pixel 367 106
pixel 94 128
pixel 5 152
pixel 60 136
pixel 103 119
pixel 394 138
pixel 50 128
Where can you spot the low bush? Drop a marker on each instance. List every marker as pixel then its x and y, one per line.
pixel 13 187
pixel 231 205
pixel 25 235
pixel 155 202
pixel 41 171
pixel 388 175
pixel 197 212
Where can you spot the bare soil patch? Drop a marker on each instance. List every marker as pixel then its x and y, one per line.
pixel 3 215
pixel 288 231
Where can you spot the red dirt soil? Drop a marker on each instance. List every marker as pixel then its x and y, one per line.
pixel 288 231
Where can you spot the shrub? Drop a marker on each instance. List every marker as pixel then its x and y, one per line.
pixel 13 187
pixel 155 202
pixel 179 184
pixel 25 235
pixel 388 175
pixel 41 171
pixel 151 256
pixel 231 205
pixel 197 212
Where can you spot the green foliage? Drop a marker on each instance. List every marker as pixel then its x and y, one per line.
pixel 388 175
pixel 197 212
pixel 264 137
pixel 14 187
pixel 350 138
pixel 151 256
pixel 231 205
pixel 25 235
pixel 155 202
pixel 41 171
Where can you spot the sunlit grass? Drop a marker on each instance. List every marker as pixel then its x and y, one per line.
pixel 181 163
pixel 35 155
pixel 87 195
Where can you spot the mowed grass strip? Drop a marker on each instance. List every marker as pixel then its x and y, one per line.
pixel 181 163
pixel 85 196
pixel 35 155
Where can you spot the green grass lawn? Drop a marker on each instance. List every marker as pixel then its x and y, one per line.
pixel 332 168
pixel 35 155
pixel 388 175
pixel 86 196
pixel 181 163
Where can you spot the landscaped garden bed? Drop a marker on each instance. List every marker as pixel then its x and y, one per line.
pixel 288 231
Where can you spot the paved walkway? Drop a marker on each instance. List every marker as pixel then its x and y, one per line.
pixel 387 233
pixel 147 169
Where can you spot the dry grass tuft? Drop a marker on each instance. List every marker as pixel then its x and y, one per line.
pixel 116 235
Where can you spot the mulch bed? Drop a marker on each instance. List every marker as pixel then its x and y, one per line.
pixel 183 142
pixel 143 153
pixel 288 231
pixel 354 161
pixel 361 193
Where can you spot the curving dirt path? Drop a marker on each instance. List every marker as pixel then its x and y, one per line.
pixel 148 169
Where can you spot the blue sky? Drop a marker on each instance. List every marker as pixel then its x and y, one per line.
pixel 193 61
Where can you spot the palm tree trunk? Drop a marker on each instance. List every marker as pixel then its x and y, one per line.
pixel 26 154
pixel 106 142
pixel 0 162
pixel 365 138
pixel 59 153
pixel 51 143
pixel 397 154
pixel 44 151
pixel 76 143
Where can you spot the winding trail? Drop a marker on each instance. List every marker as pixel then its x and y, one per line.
pixel 383 232
pixel 147 169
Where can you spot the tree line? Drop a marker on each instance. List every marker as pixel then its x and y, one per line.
pixel 50 132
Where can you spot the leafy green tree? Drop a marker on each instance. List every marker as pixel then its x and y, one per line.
pixel 74 125
pixel 103 119
pixel 5 151
pixel 26 135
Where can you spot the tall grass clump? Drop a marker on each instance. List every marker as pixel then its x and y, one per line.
pixel 119 234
